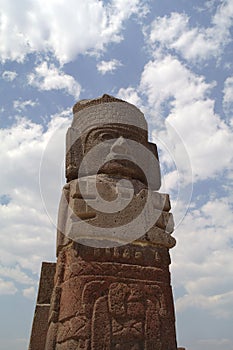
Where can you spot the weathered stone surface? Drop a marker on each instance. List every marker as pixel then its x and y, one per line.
pixel 111 312
pixel 112 282
pixel 46 282
pixel 116 298
pixel 72 345
pixel 131 254
pixel 39 328
pixel 95 123
pixel 93 102
pixel 51 339
pixel 138 214
pixel 40 321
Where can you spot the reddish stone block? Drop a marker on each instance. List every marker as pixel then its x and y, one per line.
pixel 40 321
pixel 51 339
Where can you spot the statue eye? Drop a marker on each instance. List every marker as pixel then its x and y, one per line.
pixel 107 136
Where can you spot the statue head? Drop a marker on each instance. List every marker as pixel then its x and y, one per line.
pixel 104 139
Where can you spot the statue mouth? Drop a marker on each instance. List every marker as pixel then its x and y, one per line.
pixel 122 165
pixel 118 156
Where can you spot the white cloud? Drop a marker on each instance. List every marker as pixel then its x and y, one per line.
pixel 202 259
pixel 228 95
pixel 16 274
pixel 167 83
pixel 194 43
pixel 208 5
pixel 108 66
pixel 166 78
pixel 9 75
pixel 130 95
pixel 20 105
pixel 218 305
pixel 228 90
pixel 168 28
pixel 27 234
pixel 7 287
pixel 29 293
pixel 65 30
pixel 170 181
pixel 51 78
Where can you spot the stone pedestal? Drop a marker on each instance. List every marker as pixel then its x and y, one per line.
pixel 113 298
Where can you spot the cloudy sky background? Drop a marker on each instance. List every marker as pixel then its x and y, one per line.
pixel 174 60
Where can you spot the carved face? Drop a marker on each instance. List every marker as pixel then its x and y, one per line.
pixel 117 150
pixel 115 140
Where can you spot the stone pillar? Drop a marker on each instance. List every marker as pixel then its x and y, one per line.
pixel 40 321
pixel 112 282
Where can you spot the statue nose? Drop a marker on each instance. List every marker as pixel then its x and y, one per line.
pixel 120 146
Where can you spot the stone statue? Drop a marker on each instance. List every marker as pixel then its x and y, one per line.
pixel 112 282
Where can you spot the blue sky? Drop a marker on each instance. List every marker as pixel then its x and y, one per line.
pixel 174 60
